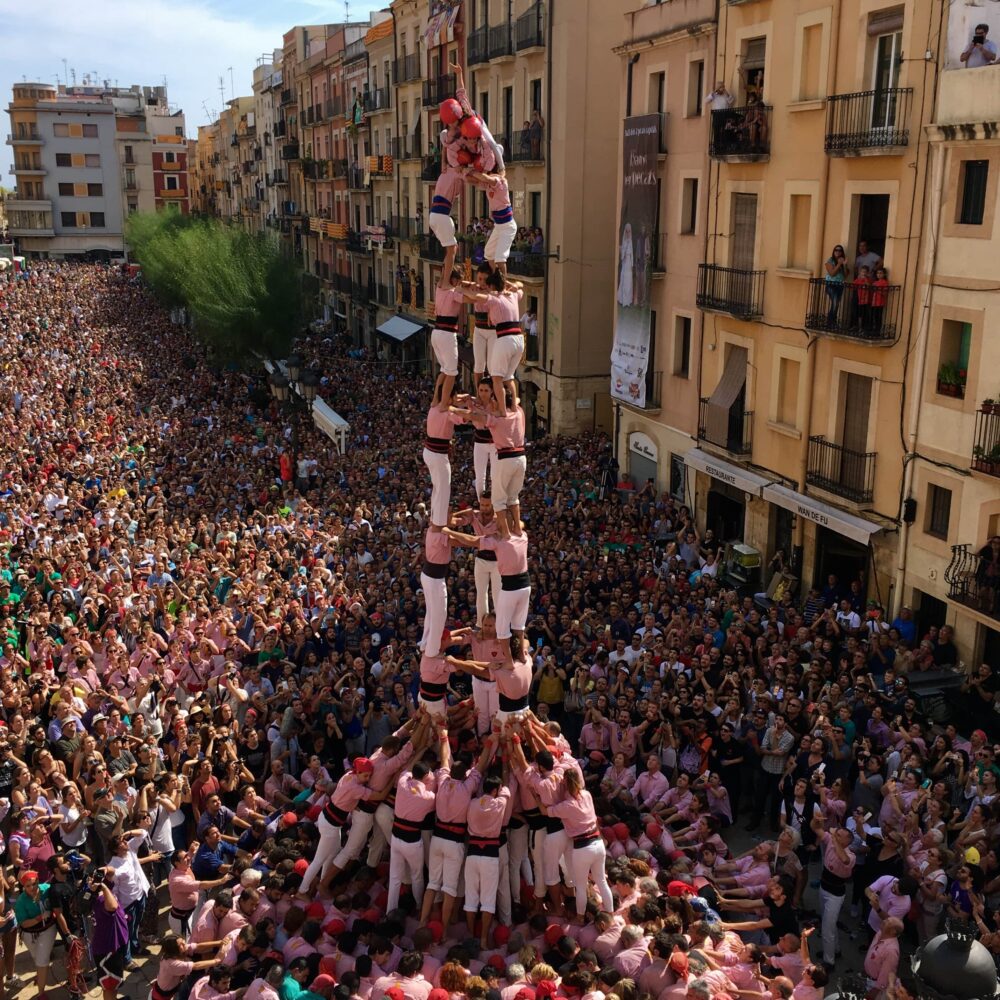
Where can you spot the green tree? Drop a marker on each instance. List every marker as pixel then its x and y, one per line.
pixel 243 294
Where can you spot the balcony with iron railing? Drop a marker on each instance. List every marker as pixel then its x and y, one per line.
pixel 378 100
pixel 527 265
pixel 406 69
pixel 522 147
pixel 863 313
pixel 24 138
pixel 478 46
pixel 430 169
pixel 731 290
pixel 869 123
pixel 334 107
pixel 737 435
pixel 278 177
pixel 280 127
pixel 356 242
pixel 741 135
pixel 338 168
pixel 430 248
pixel 501 41
pixel 385 295
pixel 403 228
pixel 841 471
pixel 287 97
pixel 438 90
pixel 970 581
pixel 356 179
pixel 290 151
pixel 986 441
pixel 529 29
pixel 405 147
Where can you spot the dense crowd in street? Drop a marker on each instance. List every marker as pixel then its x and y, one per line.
pixel 215 738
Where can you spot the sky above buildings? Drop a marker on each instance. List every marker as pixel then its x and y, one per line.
pixel 191 43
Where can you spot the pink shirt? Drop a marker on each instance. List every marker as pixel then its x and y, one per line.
pixel 259 990
pixel 577 814
pixel 498 195
pixel 386 768
pixel 831 860
pixel 649 788
pixel 631 962
pixel 349 792
pixel 595 736
pixel 448 301
pixel 442 425
pixel 487 812
pixel 508 431
pixel 454 796
pixel 483 527
pixel 513 683
pixel 434 669
pixel 414 799
pixel 416 988
pixel 893 904
pixel 437 548
pixel 882 959
pixel 512 553
pixel 206 926
pixel 504 307
pixel 183 888
pixel 486 650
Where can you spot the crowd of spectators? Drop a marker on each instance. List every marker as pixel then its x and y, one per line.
pixel 199 632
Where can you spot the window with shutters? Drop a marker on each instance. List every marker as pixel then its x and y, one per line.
pixel 689 205
pixel 787 410
pixel 68 220
pixel 92 160
pixel 938 514
pixel 66 190
pixel 752 68
pixel 60 130
pixel 695 88
pixel 744 228
pixel 972 203
pixel 682 346
pixel 90 131
pixel 64 160
pixel 97 219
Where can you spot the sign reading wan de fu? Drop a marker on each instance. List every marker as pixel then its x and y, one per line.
pixel 636 248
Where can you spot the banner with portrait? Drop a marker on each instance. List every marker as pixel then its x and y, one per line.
pixel 630 353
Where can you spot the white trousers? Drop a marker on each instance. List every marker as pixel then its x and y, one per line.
pixel 487 576
pixel 439 466
pixel 444 867
pixel 361 827
pixel 40 946
pixel 480 347
pixel 484 456
pixel 436 613
pixel 557 845
pixel 326 850
pixel 500 241
pixel 443 227
pixel 445 345
pixel 438 708
pixel 406 864
pixel 829 909
pixel 482 879
pixel 508 481
pixel 381 835
pixel 517 847
pixel 486 698
pixel 505 355
pixel 588 863
pixel 512 611
pixel 503 910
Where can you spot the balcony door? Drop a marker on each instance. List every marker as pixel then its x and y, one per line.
pixel 854 431
pixel 744 228
pixel 888 58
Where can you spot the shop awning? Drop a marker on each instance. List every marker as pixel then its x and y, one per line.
pixel 855 528
pixel 726 472
pixel 399 329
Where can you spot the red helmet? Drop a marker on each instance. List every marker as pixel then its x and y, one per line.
pixel 472 127
pixel 465 158
pixel 450 111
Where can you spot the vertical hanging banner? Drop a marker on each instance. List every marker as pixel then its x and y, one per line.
pixel 636 233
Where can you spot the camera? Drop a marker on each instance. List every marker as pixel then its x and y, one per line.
pixel 978 39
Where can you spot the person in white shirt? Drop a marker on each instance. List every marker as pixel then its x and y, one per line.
pixel 847 618
pixel 719 99
pixel 981 51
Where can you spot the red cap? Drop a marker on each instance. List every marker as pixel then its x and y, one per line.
pixel 301 866
pixel 373 914
pixel 394 993
pixel 501 934
pixel 362 765
pixel 497 962
pixel 676 856
pixel 472 128
pixel 546 988
pixel 315 911
pixel 552 934
pixel 335 927
pixel 678 963
pixel 289 818
pixel 621 831
pixel 313 813
pixel 596 757
pixel 653 830
pixel 676 888
pixel 437 929
pixel 449 111
pixel 321 982
pixel 28 875
pixel 438 994
pixel 465 158
pixel 327 965
pixel 525 994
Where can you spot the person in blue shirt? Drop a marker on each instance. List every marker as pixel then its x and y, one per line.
pixel 904 624
pixel 214 857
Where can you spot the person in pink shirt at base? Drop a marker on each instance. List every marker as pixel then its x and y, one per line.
pixel 415 796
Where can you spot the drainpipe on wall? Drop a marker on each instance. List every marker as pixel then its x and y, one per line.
pixel 543 347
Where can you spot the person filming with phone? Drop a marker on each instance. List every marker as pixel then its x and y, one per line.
pixel 981 51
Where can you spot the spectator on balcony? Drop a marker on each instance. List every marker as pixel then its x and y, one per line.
pixel 753 129
pixel 525 142
pixel 535 129
pixel 719 99
pixel 880 293
pixel 529 323
pixel 862 285
pixel 537 241
pixel 866 258
pixel 988 574
pixel 835 278
pixel 981 51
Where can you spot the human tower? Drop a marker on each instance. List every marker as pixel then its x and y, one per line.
pixel 476 815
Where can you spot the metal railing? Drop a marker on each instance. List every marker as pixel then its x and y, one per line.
pixel 731 290
pixel 870 119
pixel 478 46
pixel 430 248
pixel 501 41
pixel 378 100
pixel 430 169
pixel 356 179
pixel 278 177
pixel 403 228
pixel 523 147
pixel 741 134
pixel 404 147
pixel 385 295
pixel 356 242
pixel 290 151
pixel 436 91
pixel 340 282
pixel 986 443
pixel 862 312
pixel 527 265
pixel 280 127
pixel 969 580
pixel 406 68
pixel 738 439
pixel 847 473
pixel 287 97
pixel 529 29
pixel 338 168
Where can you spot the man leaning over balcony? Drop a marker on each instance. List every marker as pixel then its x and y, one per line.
pixel 981 51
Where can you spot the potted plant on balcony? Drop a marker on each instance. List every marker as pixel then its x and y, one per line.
pixel 993 461
pixel 990 406
pixel 978 457
pixel 947 380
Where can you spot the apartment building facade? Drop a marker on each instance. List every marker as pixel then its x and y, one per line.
pixel 812 144
pixel 85 158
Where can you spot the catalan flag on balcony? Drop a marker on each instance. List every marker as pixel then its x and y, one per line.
pixel 315 224
pixel 386 164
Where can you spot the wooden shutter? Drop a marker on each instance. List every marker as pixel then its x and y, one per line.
pixel 857 406
pixel 78 160
pixel 734 378
pixel 744 228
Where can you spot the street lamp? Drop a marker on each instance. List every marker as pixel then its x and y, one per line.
pixel 294 365
pixel 308 386
pixel 279 386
